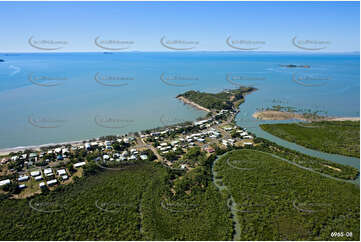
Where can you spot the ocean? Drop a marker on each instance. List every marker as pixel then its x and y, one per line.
pixel 59 97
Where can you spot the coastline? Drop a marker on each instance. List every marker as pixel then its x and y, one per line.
pixel 7 151
pixel 281 115
pixel 187 101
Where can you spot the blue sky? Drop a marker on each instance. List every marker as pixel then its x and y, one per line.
pixel 335 24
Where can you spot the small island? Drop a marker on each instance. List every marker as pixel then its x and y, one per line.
pixel 295 66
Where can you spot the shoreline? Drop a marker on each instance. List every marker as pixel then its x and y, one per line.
pixel 7 151
pixel 281 115
pixel 197 106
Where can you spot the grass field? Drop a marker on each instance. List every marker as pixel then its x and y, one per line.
pixel 279 201
pixel 337 137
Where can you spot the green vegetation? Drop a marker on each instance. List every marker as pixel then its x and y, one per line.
pixel 320 165
pixel 118 205
pixel 187 207
pixel 338 137
pixel 218 101
pixel 279 201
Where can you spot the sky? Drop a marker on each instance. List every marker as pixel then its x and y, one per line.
pixel 199 26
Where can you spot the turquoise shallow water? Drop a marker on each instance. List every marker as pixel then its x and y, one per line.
pixel 48 98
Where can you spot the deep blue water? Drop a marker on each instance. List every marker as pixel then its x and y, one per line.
pixel 81 101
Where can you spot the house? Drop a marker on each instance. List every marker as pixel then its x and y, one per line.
pixel 201 122
pixel 79 164
pixel 65 151
pixel 21 186
pixel 4 182
pixel 35 173
pixel 57 150
pixel 61 172
pixel 132 157
pixel 248 143
pixel 173 143
pixel 32 155
pixel 52 182
pixel 106 157
pixel 87 146
pixel 65 177
pixel 143 157
pixel 23 178
pixel 38 178
pixel 247 137
pixel 48 172
pixel 42 184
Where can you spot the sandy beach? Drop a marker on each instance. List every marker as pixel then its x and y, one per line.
pixel 280 115
pixel 7 151
pixel 187 101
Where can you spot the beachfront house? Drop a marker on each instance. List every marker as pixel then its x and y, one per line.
pixel 57 150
